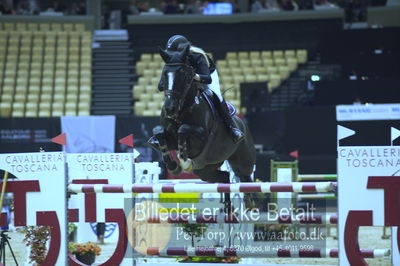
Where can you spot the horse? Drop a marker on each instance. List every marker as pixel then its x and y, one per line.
pixel 190 126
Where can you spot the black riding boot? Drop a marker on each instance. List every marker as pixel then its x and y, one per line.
pixel 153 142
pixel 236 134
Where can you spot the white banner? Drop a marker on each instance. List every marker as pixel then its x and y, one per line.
pixel 367 112
pixel 89 133
pixel 47 170
pixel 355 167
pixel 116 168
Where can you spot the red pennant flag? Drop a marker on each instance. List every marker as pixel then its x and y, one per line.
pixel 60 139
pixel 294 154
pixel 128 141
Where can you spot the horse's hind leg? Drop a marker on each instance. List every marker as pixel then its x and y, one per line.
pixel 250 199
pixel 211 174
pixel 172 166
pixel 243 169
pixel 242 166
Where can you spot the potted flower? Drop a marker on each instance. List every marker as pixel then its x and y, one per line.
pixel 198 230
pixel 86 252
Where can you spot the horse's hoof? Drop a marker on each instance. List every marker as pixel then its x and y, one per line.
pixel 250 201
pixel 177 171
pixel 174 168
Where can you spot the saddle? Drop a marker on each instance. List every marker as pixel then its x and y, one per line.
pixel 212 101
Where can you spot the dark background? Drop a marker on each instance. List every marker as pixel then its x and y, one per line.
pixel 221 37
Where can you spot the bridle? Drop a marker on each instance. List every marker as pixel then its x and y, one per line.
pixel 177 95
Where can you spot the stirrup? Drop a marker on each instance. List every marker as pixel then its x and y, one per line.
pixel 237 135
pixel 153 142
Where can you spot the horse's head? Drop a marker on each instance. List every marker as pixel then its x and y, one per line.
pixel 178 77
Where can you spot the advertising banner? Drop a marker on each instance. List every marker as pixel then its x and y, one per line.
pixel 28 134
pixel 367 112
pixel 110 168
pixel 368 175
pixel 40 178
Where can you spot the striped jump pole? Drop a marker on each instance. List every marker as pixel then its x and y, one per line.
pixel 258 252
pixel 263 218
pixel 321 177
pixel 264 187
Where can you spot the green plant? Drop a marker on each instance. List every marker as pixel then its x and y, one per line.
pixel 36 238
pixel 197 230
pixel 85 248
pixel 209 259
pixel 194 230
pixel 71 228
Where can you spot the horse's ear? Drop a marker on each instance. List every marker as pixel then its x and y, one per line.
pixel 163 53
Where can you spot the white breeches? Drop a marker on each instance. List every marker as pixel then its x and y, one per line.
pixel 214 86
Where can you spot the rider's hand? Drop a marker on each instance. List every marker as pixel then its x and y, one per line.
pixel 196 77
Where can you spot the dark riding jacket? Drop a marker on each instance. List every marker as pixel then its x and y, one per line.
pixel 200 67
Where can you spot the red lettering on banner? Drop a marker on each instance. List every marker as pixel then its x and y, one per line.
pixel 19 189
pixel 118 216
pixel 73 215
pixel 354 220
pixel 391 189
pixel 49 218
pixel 90 199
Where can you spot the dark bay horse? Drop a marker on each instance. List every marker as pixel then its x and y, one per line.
pixel 191 127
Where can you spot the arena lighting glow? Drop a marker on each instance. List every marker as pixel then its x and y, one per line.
pixel 315 78
pixel 218 9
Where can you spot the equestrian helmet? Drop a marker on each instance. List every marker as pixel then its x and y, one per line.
pixel 177 43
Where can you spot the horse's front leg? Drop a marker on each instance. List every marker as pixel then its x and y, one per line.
pixel 185 161
pixel 172 166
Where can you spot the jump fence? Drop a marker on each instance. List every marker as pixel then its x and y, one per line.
pixel 263 187
pixel 280 253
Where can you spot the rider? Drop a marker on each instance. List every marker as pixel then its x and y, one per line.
pixel 206 73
